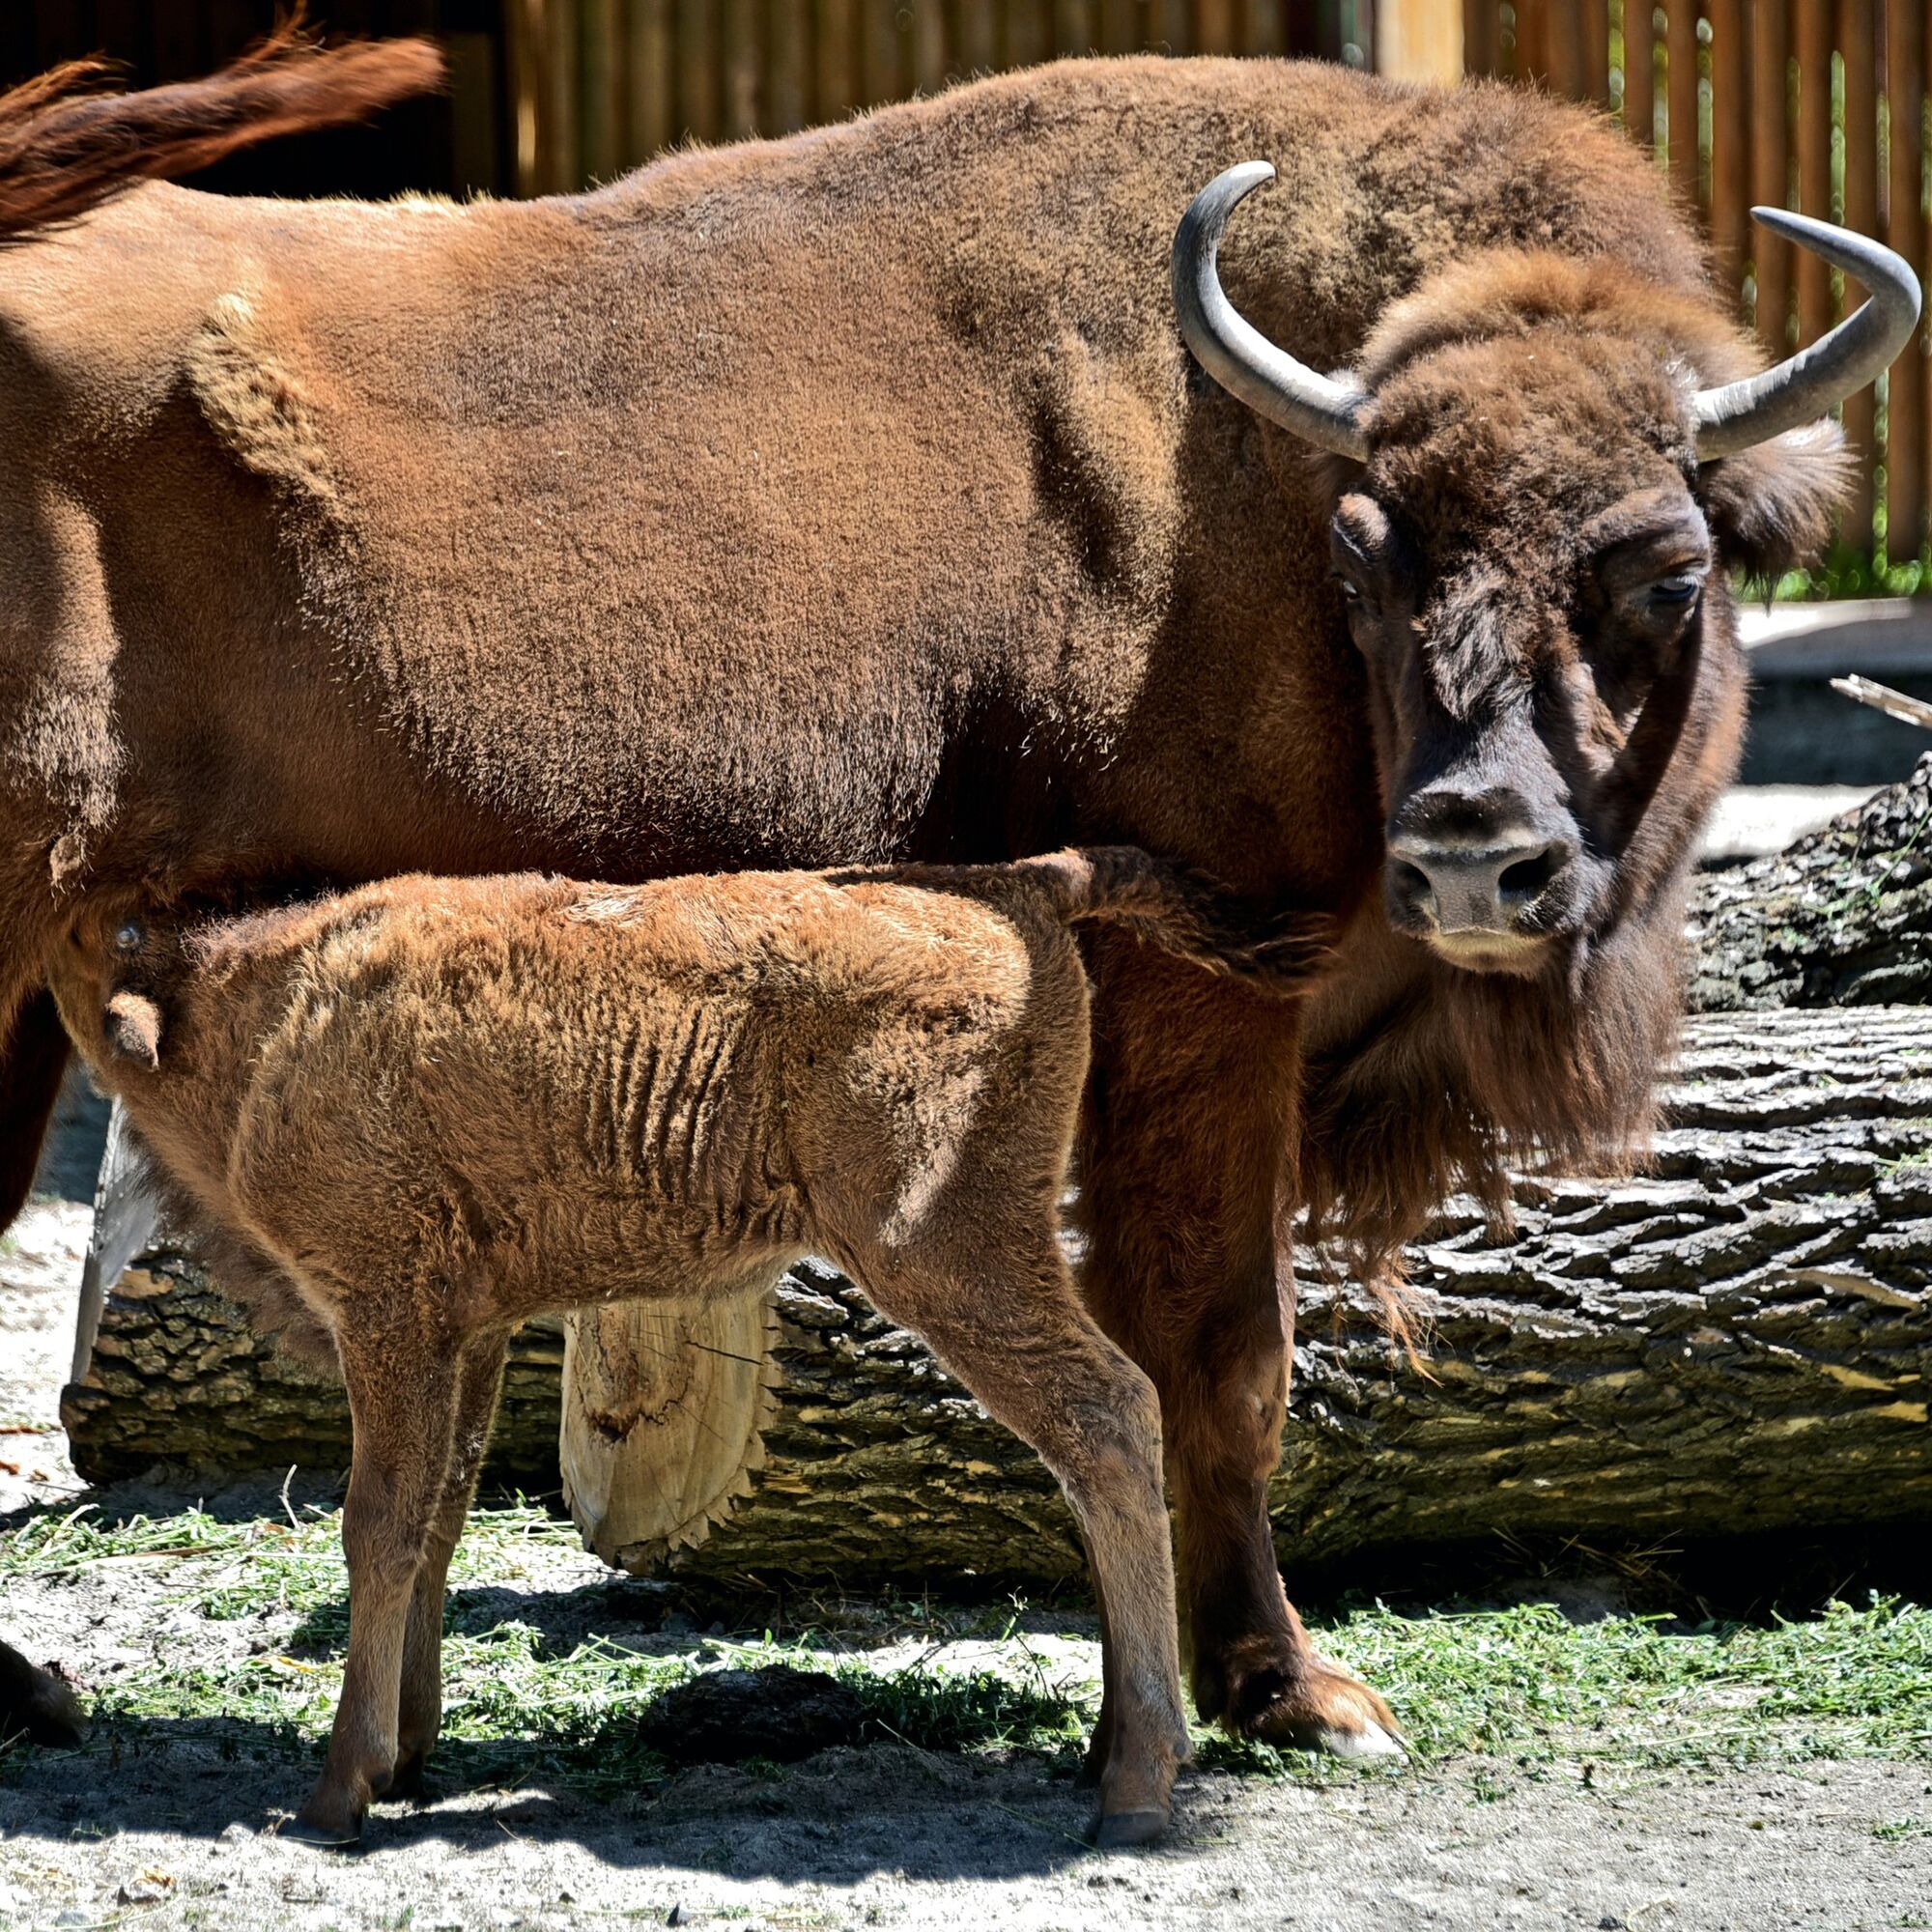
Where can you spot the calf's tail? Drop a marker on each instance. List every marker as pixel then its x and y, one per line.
pixel 65 146
pixel 1186 913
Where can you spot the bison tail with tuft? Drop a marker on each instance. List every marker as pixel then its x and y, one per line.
pixel 68 146
pixel 1189 914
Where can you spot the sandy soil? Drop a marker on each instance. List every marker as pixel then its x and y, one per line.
pixel 161 1825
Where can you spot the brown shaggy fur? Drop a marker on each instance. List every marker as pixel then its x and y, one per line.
pixel 851 498
pixel 436 1107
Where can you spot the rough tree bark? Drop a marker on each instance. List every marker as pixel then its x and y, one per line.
pixel 1740 1339
pixel 1840 918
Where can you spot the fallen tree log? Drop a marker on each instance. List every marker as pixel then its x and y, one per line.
pixel 1841 917
pixel 1741 1339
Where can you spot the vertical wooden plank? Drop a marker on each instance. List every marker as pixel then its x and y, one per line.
pixel 1858 47
pixel 647 62
pixel 1730 141
pixel 740 56
pixel 177 45
pixel 1117 29
pixel 603 86
pixel 699 109
pixel 119 30
pixel 1771 166
pixel 231 25
pixel 1026 32
pixel 526 64
pixel 1640 75
pixel 835 89
pixel 1907 444
pixel 1532 41
pixel 879 63
pixel 1596 51
pixel 1680 52
pixel 1072 26
pixel 472 120
pixel 1261 27
pixel 1171 26
pixel 928 44
pixel 787 67
pixel 563 95
pixel 1815 161
pixel 1213 26
pixel 974 37
pixel 1565 35
pixel 1482 28
pixel 1419 40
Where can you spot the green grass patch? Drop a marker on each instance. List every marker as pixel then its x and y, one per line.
pixel 1520 1684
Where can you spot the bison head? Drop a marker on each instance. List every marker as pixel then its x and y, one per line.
pixel 1546 469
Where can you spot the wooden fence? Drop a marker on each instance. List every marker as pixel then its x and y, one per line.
pixel 602 84
pixel 1812 104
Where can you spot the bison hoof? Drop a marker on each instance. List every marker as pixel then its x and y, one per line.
pixel 1324 1708
pixel 323 1833
pixel 1115 1831
pixel 1369 1743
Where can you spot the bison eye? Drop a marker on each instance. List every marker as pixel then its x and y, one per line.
pixel 1675 593
pixel 1351 594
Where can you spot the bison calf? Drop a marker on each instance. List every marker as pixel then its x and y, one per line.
pixel 420 1113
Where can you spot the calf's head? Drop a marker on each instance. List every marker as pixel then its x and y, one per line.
pixel 1546 469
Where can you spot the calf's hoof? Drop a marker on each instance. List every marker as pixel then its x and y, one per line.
pixel 1115 1830
pixel 411 1778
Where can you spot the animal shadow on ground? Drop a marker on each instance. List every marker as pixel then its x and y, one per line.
pixel 929 1783
pixel 837 1817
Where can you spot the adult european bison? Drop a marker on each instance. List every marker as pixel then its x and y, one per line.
pixel 855 495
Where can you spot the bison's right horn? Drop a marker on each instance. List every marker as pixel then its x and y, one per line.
pixel 1236 354
pixel 1804 386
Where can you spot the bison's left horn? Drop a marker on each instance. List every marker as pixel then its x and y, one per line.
pixel 1236 355
pixel 1804 386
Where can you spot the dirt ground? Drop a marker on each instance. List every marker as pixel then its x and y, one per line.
pixel 164 1823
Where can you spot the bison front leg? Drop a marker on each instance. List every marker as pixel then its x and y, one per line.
pixel 1188 1112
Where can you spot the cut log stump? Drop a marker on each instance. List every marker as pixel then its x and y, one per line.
pixel 1740 1339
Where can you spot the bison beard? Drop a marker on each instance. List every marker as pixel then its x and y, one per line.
pixel 623 534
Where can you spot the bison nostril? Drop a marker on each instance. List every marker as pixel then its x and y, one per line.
pixel 1526 881
pixel 1410 883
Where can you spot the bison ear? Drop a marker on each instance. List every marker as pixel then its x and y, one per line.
pixel 134 1028
pixel 1772 507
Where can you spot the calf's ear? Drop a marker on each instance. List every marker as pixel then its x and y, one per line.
pixel 1772 507
pixel 132 1024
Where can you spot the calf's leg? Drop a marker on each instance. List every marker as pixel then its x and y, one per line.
pixel 402 1406
pixel 1004 1318
pixel 420 1716
pixel 1189 1109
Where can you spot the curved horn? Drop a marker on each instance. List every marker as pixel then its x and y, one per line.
pixel 1236 355
pixel 1804 386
